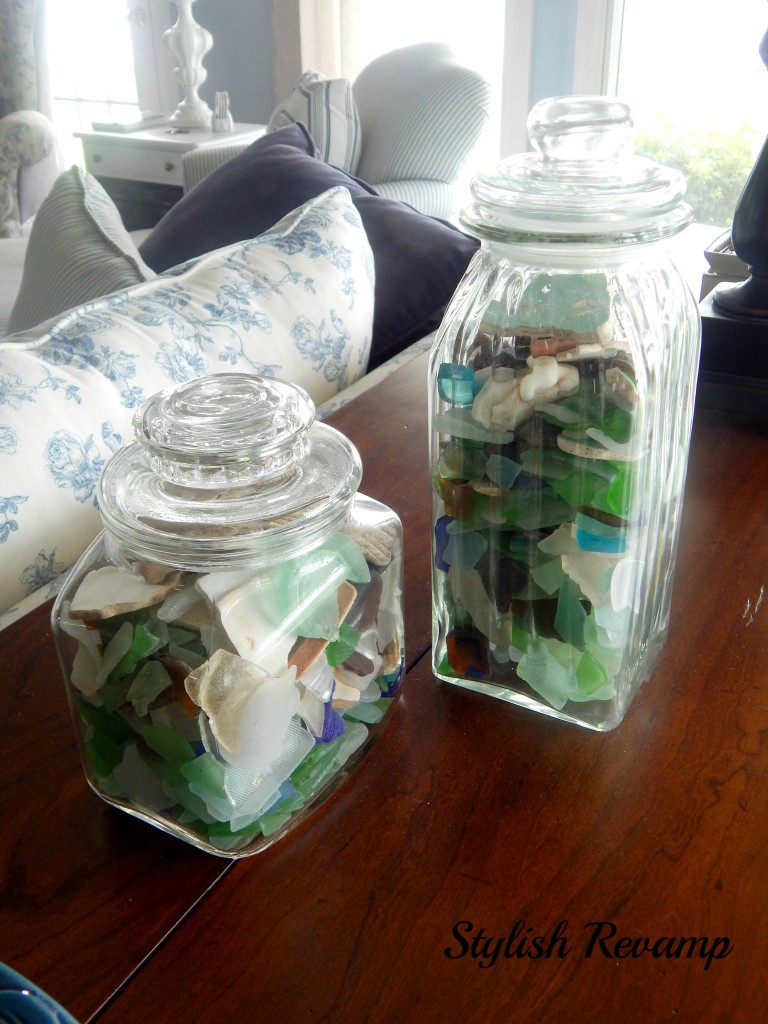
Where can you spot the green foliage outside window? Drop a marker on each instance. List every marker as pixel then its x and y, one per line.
pixel 715 164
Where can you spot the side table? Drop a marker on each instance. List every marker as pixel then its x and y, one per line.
pixel 141 170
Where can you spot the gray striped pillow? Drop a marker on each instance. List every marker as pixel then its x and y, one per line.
pixel 328 110
pixel 78 250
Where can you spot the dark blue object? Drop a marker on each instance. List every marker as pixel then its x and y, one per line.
pixel 419 260
pixel 21 1002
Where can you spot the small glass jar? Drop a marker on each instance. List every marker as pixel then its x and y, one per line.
pixel 233 640
pixel 562 383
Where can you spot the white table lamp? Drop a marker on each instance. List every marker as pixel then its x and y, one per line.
pixel 189 43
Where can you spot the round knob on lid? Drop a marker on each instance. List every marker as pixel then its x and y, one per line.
pixel 580 128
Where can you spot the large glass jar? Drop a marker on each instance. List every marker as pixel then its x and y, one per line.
pixel 562 382
pixel 233 639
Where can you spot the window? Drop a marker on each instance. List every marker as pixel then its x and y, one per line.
pixel 698 92
pixel 94 50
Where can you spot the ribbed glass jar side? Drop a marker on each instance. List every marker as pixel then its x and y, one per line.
pixel 561 399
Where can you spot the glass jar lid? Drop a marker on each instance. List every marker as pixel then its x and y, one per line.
pixel 581 183
pixel 224 469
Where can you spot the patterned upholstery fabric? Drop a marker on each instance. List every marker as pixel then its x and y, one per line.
pixel 295 302
pixel 422 114
pixel 27 139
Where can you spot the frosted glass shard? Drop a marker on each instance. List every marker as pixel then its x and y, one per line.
pixel 546 675
pixel 222 687
pixel 247 616
pixel 626 584
pixel 464 550
pixel 306 589
pixel 179 603
pixel 264 723
pixel 312 712
pixel 265 785
pixel 139 784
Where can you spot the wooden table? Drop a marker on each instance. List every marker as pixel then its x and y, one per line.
pixel 470 826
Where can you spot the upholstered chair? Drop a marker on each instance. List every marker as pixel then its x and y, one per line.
pixel 29 165
pixel 422 114
pixel 408 125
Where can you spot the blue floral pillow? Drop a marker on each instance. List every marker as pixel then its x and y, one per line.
pixel 296 303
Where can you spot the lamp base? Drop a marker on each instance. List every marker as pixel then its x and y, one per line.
pixel 748 298
pixel 189 43
pixel 733 372
pixel 192 115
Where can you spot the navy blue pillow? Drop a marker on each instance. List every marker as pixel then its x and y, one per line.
pixel 419 260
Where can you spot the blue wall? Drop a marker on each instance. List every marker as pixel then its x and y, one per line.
pixel 554 32
pixel 241 59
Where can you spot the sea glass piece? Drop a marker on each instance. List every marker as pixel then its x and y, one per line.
pixel 464 550
pixel 590 673
pixel 306 588
pixel 626 590
pixel 548 575
pixel 557 303
pixel 570 615
pixel 502 471
pixel 138 783
pixel 222 687
pixel 325 759
pixel 468 653
pixel 252 792
pixel 459 423
pixel 441 541
pixel 264 723
pixel 168 744
pixel 245 607
pixel 456 384
pixel 459 498
pixel 148 683
pixel 548 675
pixel 462 460
pixel 612 625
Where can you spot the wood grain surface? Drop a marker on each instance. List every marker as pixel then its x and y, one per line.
pixel 471 829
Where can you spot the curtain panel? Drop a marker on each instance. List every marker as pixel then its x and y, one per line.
pixel 23 77
pixel 316 35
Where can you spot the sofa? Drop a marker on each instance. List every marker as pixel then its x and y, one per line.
pixel 276 263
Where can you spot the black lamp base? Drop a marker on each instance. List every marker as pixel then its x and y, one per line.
pixel 733 372
pixel 748 298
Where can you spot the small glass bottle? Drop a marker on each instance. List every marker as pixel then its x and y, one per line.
pixel 233 640
pixel 562 383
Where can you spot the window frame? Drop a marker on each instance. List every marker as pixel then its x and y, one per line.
pixel 156 86
pixel 594 48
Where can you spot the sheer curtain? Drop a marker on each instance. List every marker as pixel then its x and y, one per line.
pixel 321 35
pixel 23 78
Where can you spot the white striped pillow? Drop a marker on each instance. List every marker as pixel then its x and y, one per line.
pixel 78 250
pixel 328 109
